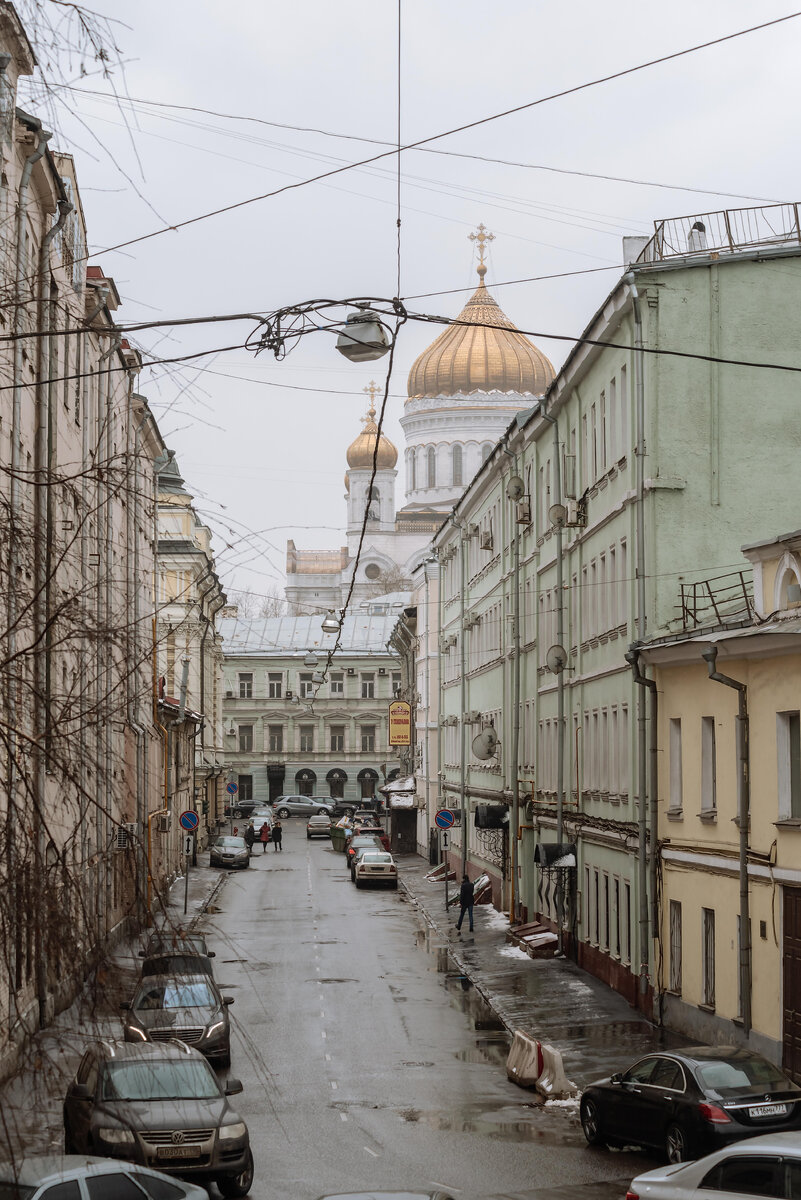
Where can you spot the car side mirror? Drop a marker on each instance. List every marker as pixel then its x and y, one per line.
pixel 142 954
pixel 125 1004
pixel 617 1078
pixel 228 999
pixel 80 1091
pixel 211 953
pixel 233 1087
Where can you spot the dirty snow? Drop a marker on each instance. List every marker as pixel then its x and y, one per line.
pixel 512 952
pixel 573 1103
pixel 495 919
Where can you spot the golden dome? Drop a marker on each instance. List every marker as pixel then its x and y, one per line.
pixel 480 359
pixel 360 452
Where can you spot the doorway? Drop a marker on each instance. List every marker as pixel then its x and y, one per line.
pixel 791 957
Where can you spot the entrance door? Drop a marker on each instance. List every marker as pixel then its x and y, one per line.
pixel 791 1060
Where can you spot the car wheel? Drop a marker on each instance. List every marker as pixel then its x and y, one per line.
pixel 234 1186
pixel 591 1122
pixel 283 813
pixel 677 1145
pixel 322 812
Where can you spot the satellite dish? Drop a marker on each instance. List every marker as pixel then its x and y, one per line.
pixel 515 488
pixel 556 659
pixel 557 515
pixel 485 743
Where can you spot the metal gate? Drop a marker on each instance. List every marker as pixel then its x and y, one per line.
pixel 791 1058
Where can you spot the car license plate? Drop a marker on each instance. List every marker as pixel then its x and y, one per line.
pixel 768 1110
pixel 179 1152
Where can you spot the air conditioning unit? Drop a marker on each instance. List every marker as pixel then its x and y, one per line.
pixel 486 540
pixel 229 695
pixel 472 717
pixel 124 838
pixel 163 823
pixel 473 530
pixel 524 512
pixel 382 670
pixel 288 695
pixel 351 670
pixel 576 513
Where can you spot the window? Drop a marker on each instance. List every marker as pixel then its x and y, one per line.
pixel 68 1190
pixel 306 739
pixel 158 1189
pixel 245 738
pixel 306 685
pixel 245 685
pixel 486 450
pixel 675 947
pixel 627 927
pixel 396 681
pixel 368 737
pixel 456 463
pixel 708 955
pixel 606 913
pixel 112 1187
pixel 274 682
pixel 602 432
pixel 597 898
pixel 587 901
pixel 676 789
pixel 642 1071
pixel 624 413
pixel 709 801
pixel 368 685
pixel 668 1074
pixel 613 420
pixel 412 471
pixel 337 680
pixel 338 738
pixel 617 917
pixel 275 734
pixel 245 787
pixel 431 465
pixel 788 746
pixel 760 1175
pixel 374 509
pixel 594 440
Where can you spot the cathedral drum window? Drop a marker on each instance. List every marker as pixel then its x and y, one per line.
pixel 372 570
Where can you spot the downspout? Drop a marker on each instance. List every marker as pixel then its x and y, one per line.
pixel 427 695
pixel 646 838
pixel 106 624
pixel 560 681
pixel 743 817
pixel 135 659
pixel 42 556
pixel 463 696
pixel 514 833
pixel 642 718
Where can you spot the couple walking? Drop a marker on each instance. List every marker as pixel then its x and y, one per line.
pixel 277 836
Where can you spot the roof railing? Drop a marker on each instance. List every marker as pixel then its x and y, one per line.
pixel 723 232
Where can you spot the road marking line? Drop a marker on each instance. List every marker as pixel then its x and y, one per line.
pixel 322 1014
pixel 369 1151
pixel 342 1117
pixel 328 1058
pixel 334 1084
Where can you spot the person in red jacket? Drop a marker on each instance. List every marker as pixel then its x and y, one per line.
pixel 264 836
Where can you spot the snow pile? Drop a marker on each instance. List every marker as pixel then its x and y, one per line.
pixel 495 919
pixel 512 952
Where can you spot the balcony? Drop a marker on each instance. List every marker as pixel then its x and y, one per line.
pixel 712 601
pixel 723 232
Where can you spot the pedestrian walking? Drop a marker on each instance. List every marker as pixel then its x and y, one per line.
pixel 250 835
pixel 264 836
pixel 466 895
pixel 278 835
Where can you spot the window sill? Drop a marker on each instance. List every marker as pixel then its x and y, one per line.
pixel 707 1008
pixel 675 814
pixel 675 992
pixel 788 823
pixel 708 815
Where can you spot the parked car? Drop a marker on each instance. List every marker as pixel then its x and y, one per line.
pixel 301 806
pixel 81 1177
pixel 229 852
pixel 343 808
pixel 177 963
pixel 688 1102
pixel 367 848
pixel 165 941
pixel 318 826
pixel 758 1166
pixel 372 830
pixel 356 843
pixel 369 815
pixel 161 1106
pixel 239 808
pixel 189 1007
pixel 375 867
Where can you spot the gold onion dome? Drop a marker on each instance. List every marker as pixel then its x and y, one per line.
pixel 360 452
pixel 468 357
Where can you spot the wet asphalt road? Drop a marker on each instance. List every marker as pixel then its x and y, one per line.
pixel 368 1062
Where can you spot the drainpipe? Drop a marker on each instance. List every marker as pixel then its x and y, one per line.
pixel 560 680
pixel 463 696
pixel 743 816
pixel 41 138
pixel 104 602
pixel 427 691
pixel 42 556
pixel 633 659
pixel 514 832
pixel 642 718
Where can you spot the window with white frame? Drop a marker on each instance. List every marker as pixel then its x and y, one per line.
pixel 368 685
pixel 627 921
pixel 306 739
pixel 336 682
pixel 306 685
pixel 412 467
pixel 245 738
pixel 606 912
pixel 602 433
pixel 708 956
pixel 788 748
pixel 245 685
pixel 616 916
pixel 368 737
pixel 275 681
pixel 456 465
pixel 587 905
pixel 624 412
pixel 613 439
pixel 275 735
pixel 675 947
pixel 337 744
pixel 676 783
pixel 597 906
pixel 709 801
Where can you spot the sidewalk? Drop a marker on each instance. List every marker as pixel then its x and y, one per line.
pixel 552 1000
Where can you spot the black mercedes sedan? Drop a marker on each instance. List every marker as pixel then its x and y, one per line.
pixel 689 1102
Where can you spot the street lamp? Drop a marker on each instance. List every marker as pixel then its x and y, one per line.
pixel 364 337
pixel 331 623
pixel 311 659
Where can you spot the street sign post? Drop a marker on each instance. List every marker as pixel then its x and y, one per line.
pixel 189 820
pixel 232 789
pixel 444 818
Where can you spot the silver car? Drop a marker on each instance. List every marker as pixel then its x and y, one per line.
pixel 229 852
pixel 759 1166
pixel 302 806
pixel 80 1176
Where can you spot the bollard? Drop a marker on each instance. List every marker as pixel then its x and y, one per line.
pixel 553 1082
pixel 524 1064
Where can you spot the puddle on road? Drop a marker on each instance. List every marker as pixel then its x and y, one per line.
pixel 512 1122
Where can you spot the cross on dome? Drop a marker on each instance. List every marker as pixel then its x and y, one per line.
pixel 372 391
pixel 482 239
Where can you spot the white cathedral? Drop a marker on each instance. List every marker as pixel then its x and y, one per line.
pixel 463 391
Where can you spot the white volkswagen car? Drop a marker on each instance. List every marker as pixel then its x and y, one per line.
pixel 375 867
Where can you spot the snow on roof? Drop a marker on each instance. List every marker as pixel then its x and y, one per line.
pixel 362 633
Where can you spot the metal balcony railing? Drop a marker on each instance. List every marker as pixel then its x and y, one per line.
pixel 722 598
pixel 723 232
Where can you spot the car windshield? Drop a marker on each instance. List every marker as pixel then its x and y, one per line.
pixel 189 993
pixel 230 843
pixel 742 1071
pixel 170 1080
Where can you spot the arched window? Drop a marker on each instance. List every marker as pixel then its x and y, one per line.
pixel 456 461
pixel 375 506
pixel 486 451
pixel 431 459
pixel 412 470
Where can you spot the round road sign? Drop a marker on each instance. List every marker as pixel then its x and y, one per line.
pixel 232 789
pixel 444 818
pixel 189 820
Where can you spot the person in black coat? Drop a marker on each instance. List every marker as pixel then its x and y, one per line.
pixel 249 835
pixel 466 895
pixel 278 836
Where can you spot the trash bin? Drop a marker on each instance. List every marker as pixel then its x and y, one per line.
pixel 338 835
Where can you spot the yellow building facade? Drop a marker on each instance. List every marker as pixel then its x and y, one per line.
pixel 718 874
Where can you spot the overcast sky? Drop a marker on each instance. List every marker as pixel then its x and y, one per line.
pixel 262 443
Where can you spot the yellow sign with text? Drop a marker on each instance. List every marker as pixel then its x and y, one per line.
pixel 400 723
